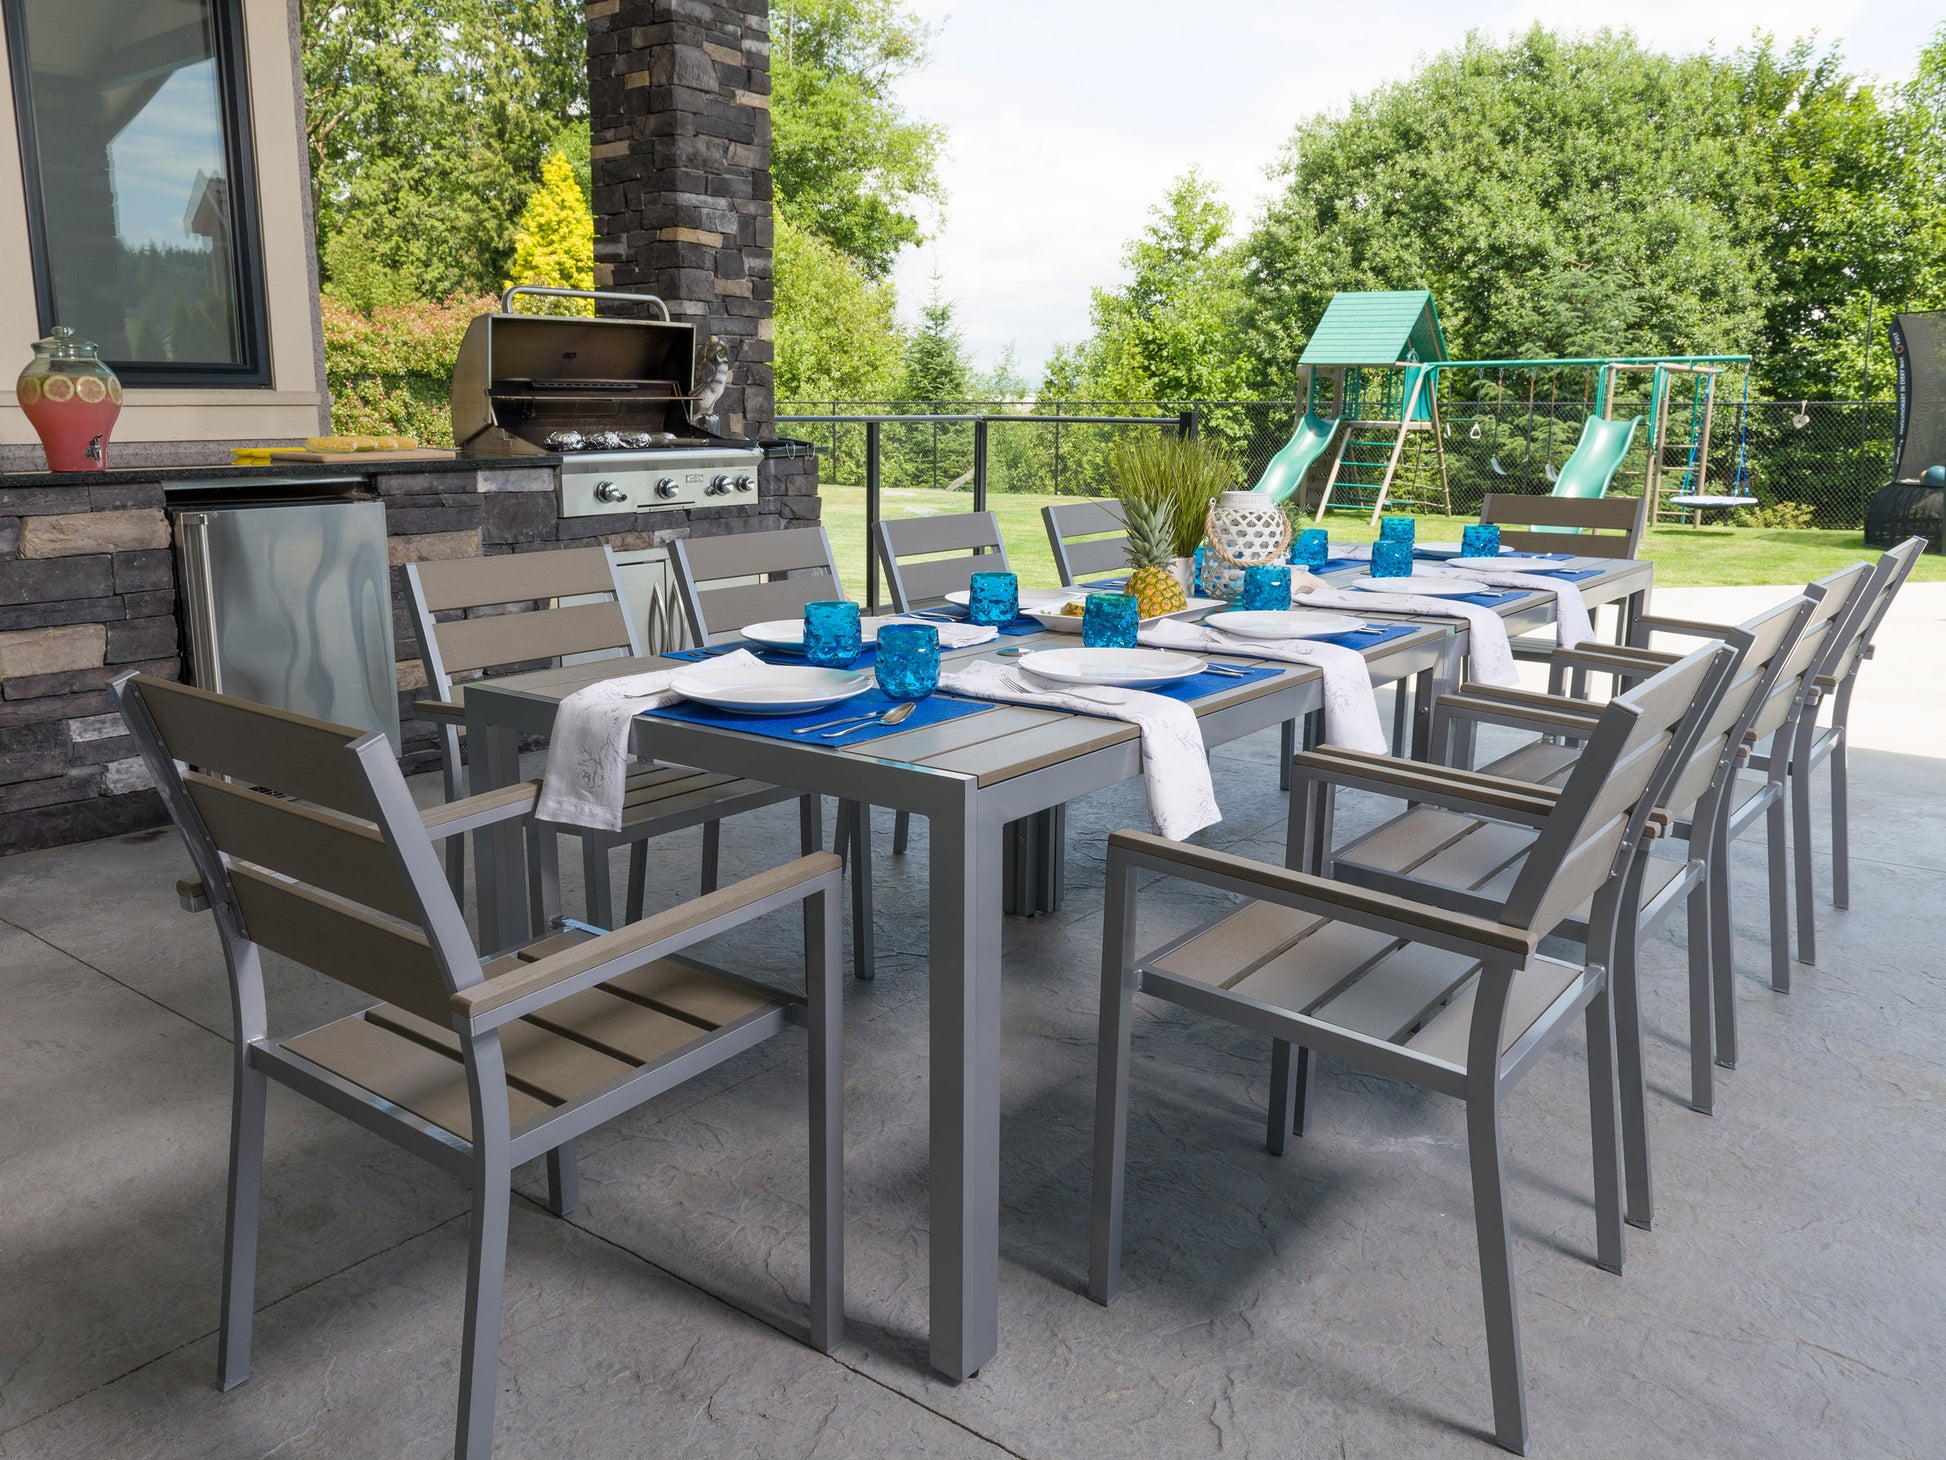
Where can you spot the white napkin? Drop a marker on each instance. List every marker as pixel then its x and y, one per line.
pixel 1571 625
pixel 1175 763
pixel 587 762
pixel 951 635
pixel 1491 656
pixel 1350 710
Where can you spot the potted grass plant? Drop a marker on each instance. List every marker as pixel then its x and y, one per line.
pixel 1167 484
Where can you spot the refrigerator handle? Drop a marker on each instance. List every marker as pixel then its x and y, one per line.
pixel 199 601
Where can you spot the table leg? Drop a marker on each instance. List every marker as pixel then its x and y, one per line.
pixel 1442 678
pixel 964 1275
pixel 499 861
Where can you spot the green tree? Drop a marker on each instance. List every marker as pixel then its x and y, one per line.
pixel 555 241
pixel 935 371
pixel 848 163
pixel 837 328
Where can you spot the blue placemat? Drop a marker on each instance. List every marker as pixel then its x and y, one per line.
pixel 1367 641
pixel 1021 625
pixel 1199 686
pixel 935 710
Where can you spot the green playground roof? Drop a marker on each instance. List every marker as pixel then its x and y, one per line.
pixel 1377 327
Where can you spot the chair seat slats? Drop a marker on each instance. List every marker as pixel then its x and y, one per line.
pixel 1535 988
pixel 1399 992
pixel 547 1065
pixel 405 1072
pixel 1246 939
pixel 1543 763
pixel 1317 966
pixel 688 993
pixel 616 1026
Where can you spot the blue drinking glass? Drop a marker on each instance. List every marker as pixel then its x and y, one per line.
pixel 832 639
pixel 1480 540
pixel 994 599
pixel 1266 587
pixel 1391 559
pixel 907 663
pixel 1396 529
pixel 1109 620
pixel 1311 548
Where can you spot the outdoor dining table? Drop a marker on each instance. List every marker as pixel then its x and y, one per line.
pixel 970 777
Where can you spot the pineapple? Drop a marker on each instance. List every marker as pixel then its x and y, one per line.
pixel 1152 580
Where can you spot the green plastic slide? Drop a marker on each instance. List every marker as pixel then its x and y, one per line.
pixel 1597 454
pixel 1284 476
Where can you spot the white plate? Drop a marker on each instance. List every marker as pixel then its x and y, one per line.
pixel 1437 549
pixel 1511 567
pixel 1430 586
pixel 1128 668
pixel 788 633
pixel 1070 623
pixel 1290 623
pixel 776 689
pixel 1030 598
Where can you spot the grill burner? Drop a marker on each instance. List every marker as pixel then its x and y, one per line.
pixel 612 396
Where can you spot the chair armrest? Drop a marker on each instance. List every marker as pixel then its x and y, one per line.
pixel 1624 660
pixel 1342 901
pixel 1650 623
pixel 1493 797
pixel 439 709
pixel 496 1001
pixel 1519 710
pixel 470 813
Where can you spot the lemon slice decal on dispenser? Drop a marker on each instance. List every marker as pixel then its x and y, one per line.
pixel 115 390
pixel 58 388
pixel 28 391
pixel 91 389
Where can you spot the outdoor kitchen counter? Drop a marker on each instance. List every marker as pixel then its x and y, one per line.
pixel 296 470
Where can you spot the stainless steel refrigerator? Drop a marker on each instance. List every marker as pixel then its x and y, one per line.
pixel 288 602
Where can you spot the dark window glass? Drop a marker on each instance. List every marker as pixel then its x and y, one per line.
pixel 141 198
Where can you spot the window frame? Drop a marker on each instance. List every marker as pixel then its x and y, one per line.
pixel 252 300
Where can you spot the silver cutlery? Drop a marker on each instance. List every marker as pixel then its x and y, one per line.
pixel 898 714
pixel 841 720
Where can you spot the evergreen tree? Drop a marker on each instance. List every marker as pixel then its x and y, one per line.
pixel 935 370
pixel 554 243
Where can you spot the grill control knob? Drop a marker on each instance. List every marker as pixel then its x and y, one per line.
pixel 718 486
pixel 606 491
pixel 666 488
pixel 743 484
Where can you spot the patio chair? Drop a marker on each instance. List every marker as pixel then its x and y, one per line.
pixel 1812 743
pixel 914 551
pixel 744 578
pixel 658 800
pixel 1454 1003
pixel 1088 539
pixel 1592 527
pixel 1464 862
pixel 475 1068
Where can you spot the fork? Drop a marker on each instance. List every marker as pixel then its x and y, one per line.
pixel 1080 692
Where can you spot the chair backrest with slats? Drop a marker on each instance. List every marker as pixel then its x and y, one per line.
pixel 1762 646
pixel 1594 527
pixel 746 578
pixel 1088 538
pixel 464 646
pixel 1854 637
pixel 1636 747
pixel 926 558
pixel 308 844
pixel 1831 596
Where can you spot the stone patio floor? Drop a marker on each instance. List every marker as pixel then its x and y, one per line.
pixel 1791 1300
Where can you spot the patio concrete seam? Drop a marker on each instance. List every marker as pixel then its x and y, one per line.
pixel 119 983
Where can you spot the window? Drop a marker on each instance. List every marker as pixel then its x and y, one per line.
pixel 141 199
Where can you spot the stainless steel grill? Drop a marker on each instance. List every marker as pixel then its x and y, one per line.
pixel 611 397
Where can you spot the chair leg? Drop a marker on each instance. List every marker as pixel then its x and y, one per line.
pixel 1780 896
pixel 1604 1121
pixel 563 1181
pixel 1290 1095
pixel 241 1219
pixel 545 849
pixel 863 940
pixel 1496 1260
pixel 901 832
pixel 1632 1082
pixel 1399 699
pixel 1702 1011
pixel 598 898
pixel 453 777
pixel 1111 1084
pixel 1840 826
pixel 1805 878
pixel 824 979
pixel 638 882
pixel 1286 750
pixel 712 854
pixel 1722 952
pixel 486 1254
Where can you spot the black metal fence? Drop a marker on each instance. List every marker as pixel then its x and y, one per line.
pixel 1827 456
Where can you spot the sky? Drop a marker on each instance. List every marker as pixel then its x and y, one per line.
pixel 1066 119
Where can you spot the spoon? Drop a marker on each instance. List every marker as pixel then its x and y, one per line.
pixel 898 714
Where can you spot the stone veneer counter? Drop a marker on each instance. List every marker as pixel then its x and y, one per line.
pixel 88 592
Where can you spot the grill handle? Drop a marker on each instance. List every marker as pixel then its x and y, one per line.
pixel 507 299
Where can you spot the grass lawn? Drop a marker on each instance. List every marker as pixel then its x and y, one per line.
pixel 1685 557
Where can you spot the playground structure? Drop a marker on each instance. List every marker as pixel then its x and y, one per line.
pixel 1913 503
pixel 1388 418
